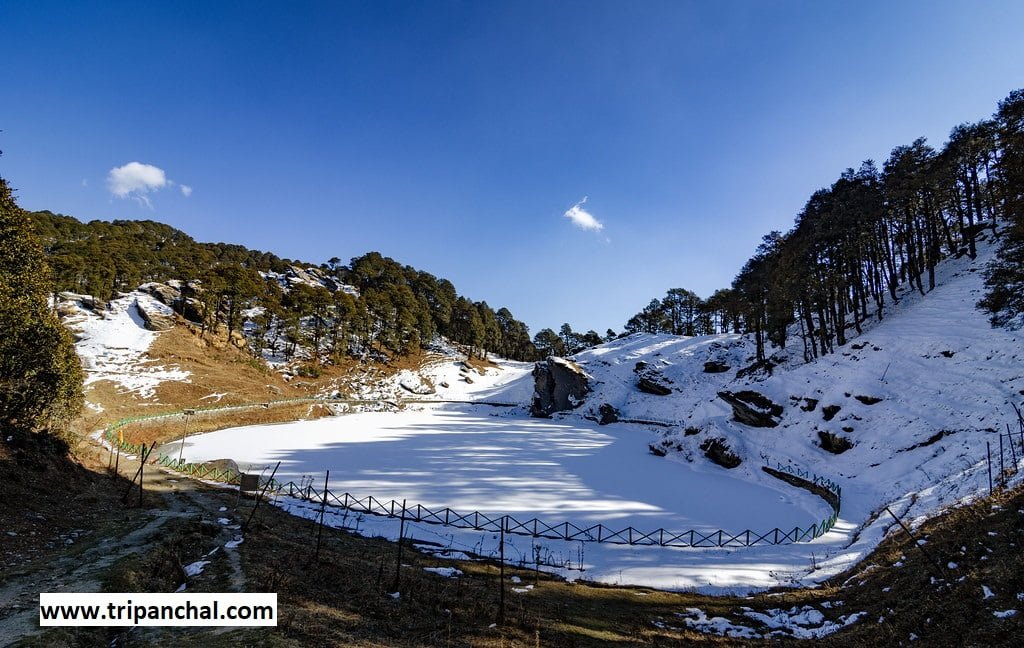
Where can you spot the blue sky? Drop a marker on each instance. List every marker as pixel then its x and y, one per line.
pixel 454 136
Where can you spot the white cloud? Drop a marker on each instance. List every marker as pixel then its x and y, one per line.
pixel 136 181
pixel 186 190
pixel 583 219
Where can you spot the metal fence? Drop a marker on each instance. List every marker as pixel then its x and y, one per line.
pixel 490 522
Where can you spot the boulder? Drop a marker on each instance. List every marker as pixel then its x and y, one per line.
pixel 559 385
pixel 416 385
pixel 655 450
pixel 718 451
pixel 833 443
pixel 829 412
pixel 651 381
pixel 650 385
pixel 191 309
pixel 166 293
pixel 608 414
pixel 751 408
pixel 714 366
pixel 157 316
pixel 869 400
pixel 809 404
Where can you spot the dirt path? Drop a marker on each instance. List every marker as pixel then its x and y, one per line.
pixel 169 499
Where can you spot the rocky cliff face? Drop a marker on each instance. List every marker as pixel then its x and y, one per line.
pixel 559 385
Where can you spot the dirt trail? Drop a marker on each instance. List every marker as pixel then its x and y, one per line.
pixel 81 566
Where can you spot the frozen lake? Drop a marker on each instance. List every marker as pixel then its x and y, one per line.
pixel 481 459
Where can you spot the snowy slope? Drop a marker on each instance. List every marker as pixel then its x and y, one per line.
pixel 946 382
pixel 446 375
pixel 112 342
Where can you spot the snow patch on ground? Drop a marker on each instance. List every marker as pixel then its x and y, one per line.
pixel 112 342
pixel 445 572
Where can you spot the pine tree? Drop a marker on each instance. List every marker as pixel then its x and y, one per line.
pixel 40 376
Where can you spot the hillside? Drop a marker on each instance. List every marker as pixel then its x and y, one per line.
pixel 899 418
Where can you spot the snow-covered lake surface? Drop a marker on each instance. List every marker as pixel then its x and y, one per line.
pixel 475 459
pixel 500 462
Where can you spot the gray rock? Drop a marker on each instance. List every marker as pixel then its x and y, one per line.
pixel 869 400
pixel 719 452
pixel 192 309
pixel 833 443
pixel 559 385
pixel 608 414
pixel 157 319
pixel 166 293
pixel 752 408
pixel 714 366
pixel 829 412
pixel 650 385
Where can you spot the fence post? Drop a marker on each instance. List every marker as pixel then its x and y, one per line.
pixel 501 571
pixel 1013 451
pixel 259 497
pixel 938 566
pixel 323 507
pixel 1002 466
pixel 401 532
pixel 988 453
pixel 117 461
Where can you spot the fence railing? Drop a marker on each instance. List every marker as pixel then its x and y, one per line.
pixel 497 523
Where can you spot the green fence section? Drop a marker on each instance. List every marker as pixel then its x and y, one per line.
pixel 110 433
pixel 488 522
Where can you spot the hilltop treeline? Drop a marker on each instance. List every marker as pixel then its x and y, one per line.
pixel 393 308
pixel 874 229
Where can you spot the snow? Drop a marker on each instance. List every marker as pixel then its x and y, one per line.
pixel 1004 614
pixel 470 460
pixel 944 377
pixel 445 572
pixel 196 568
pixel 986 593
pixel 801 623
pixel 474 458
pixel 934 361
pixel 112 343
pixel 443 376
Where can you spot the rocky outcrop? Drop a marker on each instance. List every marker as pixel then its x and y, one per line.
pixel 752 408
pixel 166 293
pixel 809 404
pixel 608 414
pixel 829 412
pixel 157 316
pixel 559 385
pixel 869 400
pixel 714 366
pixel 651 381
pixel 415 384
pixel 650 385
pixel 833 443
pixel 657 451
pixel 719 452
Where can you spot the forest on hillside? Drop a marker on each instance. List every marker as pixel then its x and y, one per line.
pixel 371 305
